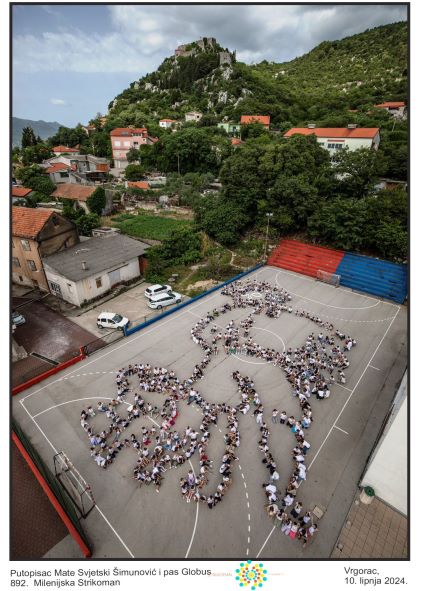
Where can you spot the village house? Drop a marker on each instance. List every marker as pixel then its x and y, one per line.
pixel 59 172
pixel 337 138
pixel 397 109
pixel 20 194
pixel 80 168
pixel 57 150
pixel 125 138
pixel 262 119
pixel 193 116
pixel 79 195
pixel 230 128
pixel 37 233
pixel 167 123
pixel 92 268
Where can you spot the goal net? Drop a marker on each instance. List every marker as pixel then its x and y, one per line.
pixel 74 485
pixel 327 277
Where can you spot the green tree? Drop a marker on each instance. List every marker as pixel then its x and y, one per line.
pixel 97 201
pixel 221 219
pixel 28 137
pixel 34 178
pixel 358 171
pixel 133 155
pixel 134 172
pixel 86 223
pixel 339 223
pixel 35 154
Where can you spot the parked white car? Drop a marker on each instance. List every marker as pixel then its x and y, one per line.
pixel 154 290
pixel 17 318
pixel 164 299
pixel 111 320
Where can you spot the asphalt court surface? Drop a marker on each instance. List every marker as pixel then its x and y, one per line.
pixel 134 521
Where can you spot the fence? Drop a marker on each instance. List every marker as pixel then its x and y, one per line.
pixel 31 370
pixel 101 342
pixel 129 331
pixel 61 503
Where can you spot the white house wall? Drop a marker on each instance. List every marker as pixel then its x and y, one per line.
pixel 387 469
pixel 77 292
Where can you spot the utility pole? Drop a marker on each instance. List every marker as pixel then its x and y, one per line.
pixel 268 215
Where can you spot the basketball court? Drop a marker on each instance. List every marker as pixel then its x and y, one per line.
pixel 130 520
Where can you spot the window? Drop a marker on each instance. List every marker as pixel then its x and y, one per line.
pixel 55 288
pixel 334 146
pixel 63 175
pixel 31 265
pixel 117 143
pixel 25 245
pixel 99 282
pixel 15 262
pixel 126 144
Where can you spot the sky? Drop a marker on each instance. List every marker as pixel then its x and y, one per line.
pixel 70 61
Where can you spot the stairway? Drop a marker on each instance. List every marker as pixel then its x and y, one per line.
pixel 305 258
pixel 375 276
pixel 367 274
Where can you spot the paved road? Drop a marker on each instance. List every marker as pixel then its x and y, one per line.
pixel 133 521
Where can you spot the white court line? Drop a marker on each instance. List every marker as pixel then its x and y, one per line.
pixel 343 431
pixel 266 541
pixel 353 390
pixel 238 357
pixel 348 291
pixel 323 303
pixel 142 333
pixel 153 421
pixel 338 416
pixel 373 367
pixel 344 387
pixel 96 506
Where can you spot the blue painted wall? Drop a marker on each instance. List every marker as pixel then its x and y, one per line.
pixel 374 276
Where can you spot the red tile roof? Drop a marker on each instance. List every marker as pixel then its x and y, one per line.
pixel 139 185
pixel 64 149
pixel 28 222
pixel 334 132
pixel 235 141
pixel 73 191
pixel 56 167
pixel 127 131
pixel 20 191
pixel 168 120
pixel 263 119
pixel 391 105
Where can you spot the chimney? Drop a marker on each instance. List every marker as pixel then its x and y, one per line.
pixel 311 125
pixel 352 125
pixel 84 266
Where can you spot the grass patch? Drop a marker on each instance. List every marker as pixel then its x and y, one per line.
pixel 148 226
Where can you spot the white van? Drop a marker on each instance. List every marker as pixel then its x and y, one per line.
pixel 111 320
pixel 154 290
pixel 164 299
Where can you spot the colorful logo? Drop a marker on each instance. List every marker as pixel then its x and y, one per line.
pixel 253 575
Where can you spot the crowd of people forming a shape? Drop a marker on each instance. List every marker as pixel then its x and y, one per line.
pixel 309 369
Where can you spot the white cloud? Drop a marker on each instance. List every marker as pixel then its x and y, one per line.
pixel 57 101
pixel 141 36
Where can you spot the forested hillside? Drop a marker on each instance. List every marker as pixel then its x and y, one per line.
pixel 352 73
pixel 333 201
